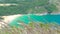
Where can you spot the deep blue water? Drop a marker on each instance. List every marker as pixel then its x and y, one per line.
pixel 36 18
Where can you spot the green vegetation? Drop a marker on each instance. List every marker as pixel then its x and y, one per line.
pixel 51 8
pixel 26 7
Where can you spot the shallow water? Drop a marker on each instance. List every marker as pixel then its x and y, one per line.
pixel 35 18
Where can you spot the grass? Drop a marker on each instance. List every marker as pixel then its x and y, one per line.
pixel 32 28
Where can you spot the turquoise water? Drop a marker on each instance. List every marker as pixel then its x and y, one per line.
pixel 35 18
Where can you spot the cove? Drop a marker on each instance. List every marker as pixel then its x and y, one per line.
pixel 35 18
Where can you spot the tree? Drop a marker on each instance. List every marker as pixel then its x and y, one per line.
pixel 50 8
pixel 27 6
